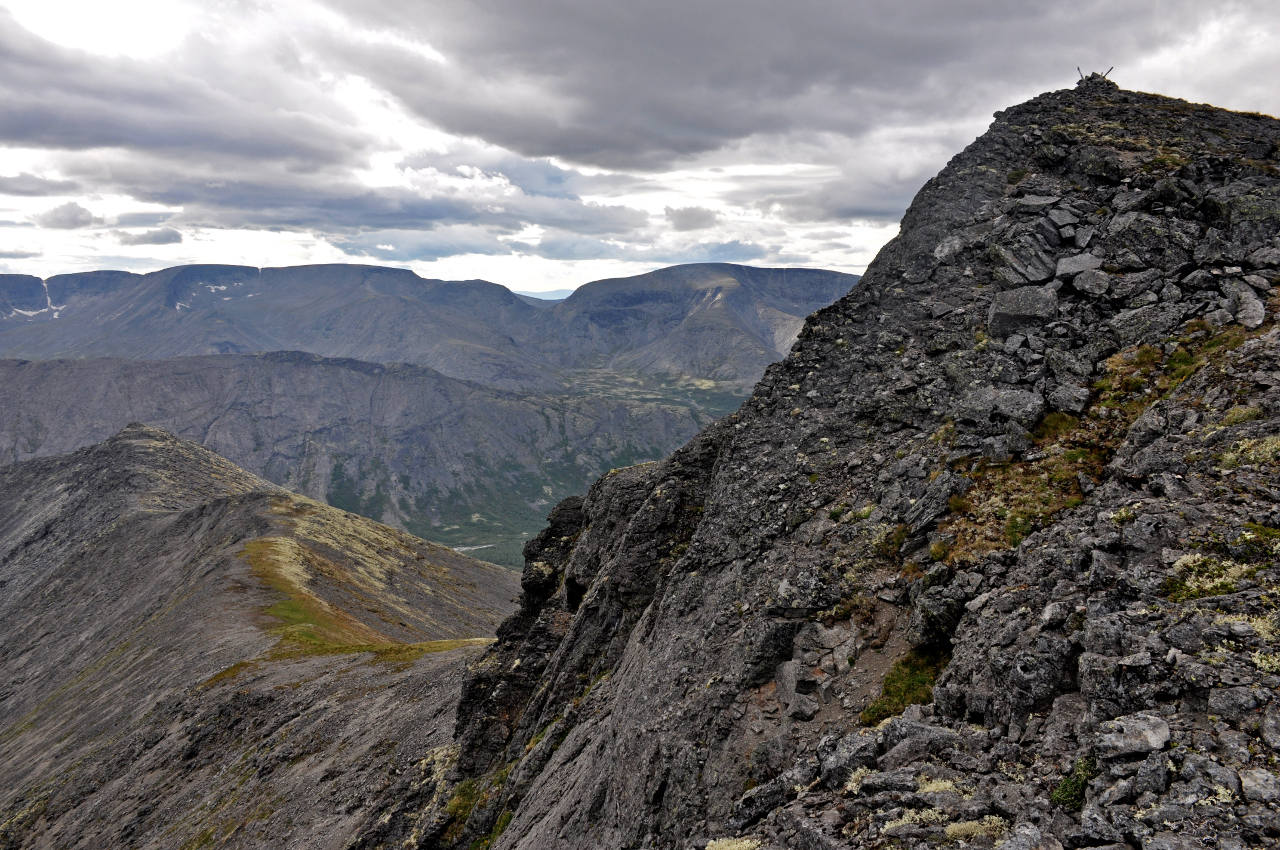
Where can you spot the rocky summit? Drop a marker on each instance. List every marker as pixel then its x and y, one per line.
pixel 990 559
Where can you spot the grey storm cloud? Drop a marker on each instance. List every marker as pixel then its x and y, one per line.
pixel 562 109
pixel 691 218
pixel 159 236
pixel 261 195
pixel 647 84
pixel 18 255
pixel 33 186
pixel 68 216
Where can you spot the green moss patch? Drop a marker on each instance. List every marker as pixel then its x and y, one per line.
pixel 1069 793
pixel 909 682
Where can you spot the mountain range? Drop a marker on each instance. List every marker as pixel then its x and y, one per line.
pixel 457 410
pixel 716 322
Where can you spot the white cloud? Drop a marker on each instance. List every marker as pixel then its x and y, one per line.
pixel 68 216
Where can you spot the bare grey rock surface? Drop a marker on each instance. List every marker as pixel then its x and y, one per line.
pixel 989 559
pixel 194 657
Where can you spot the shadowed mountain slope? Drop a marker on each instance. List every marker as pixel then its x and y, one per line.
pixel 451 460
pixel 193 656
pixel 989 557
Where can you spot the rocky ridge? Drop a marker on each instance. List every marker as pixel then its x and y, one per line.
pixel 193 656
pixel 991 557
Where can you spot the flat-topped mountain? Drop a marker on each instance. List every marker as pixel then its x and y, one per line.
pixel 710 321
pixel 193 656
pixel 990 559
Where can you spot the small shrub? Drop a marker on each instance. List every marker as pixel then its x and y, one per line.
pixel 1241 413
pixel 1198 576
pixel 1069 793
pixel 1124 515
pixel 1055 425
pixel 890 542
pixel 1267 662
pixel 735 844
pixel 992 826
pixel 908 682
pixel 1015 176
pixel 1016 528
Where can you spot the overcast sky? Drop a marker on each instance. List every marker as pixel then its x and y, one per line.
pixel 540 144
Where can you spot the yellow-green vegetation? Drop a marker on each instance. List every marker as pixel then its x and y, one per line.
pixel 1263 450
pixel 1009 501
pixel 992 826
pixel 1240 414
pixel 1069 793
pixel 471 794
pixel 228 674
pixel 1265 626
pixel 853 784
pixel 926 785
pixel 735 844
pixel 1197 575
pixel 1124 515
pixel 1165 161
pixel 321 546
pixel 1267 662
pixel 460 805
pixel 908 682
pixel 307 622
pixel 917 817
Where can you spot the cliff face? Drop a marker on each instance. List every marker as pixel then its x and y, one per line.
pixel 1034 450
pixel 193 656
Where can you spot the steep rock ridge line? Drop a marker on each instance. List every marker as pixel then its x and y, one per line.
pixel 192 656
pixel 1035 447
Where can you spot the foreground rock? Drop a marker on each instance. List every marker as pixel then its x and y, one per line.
pixel 1034 450
pixel 194 657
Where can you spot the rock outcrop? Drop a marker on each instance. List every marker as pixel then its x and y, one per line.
pixel 990 557
pixel 194 657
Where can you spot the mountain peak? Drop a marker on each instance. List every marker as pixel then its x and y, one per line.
pixel 952 536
